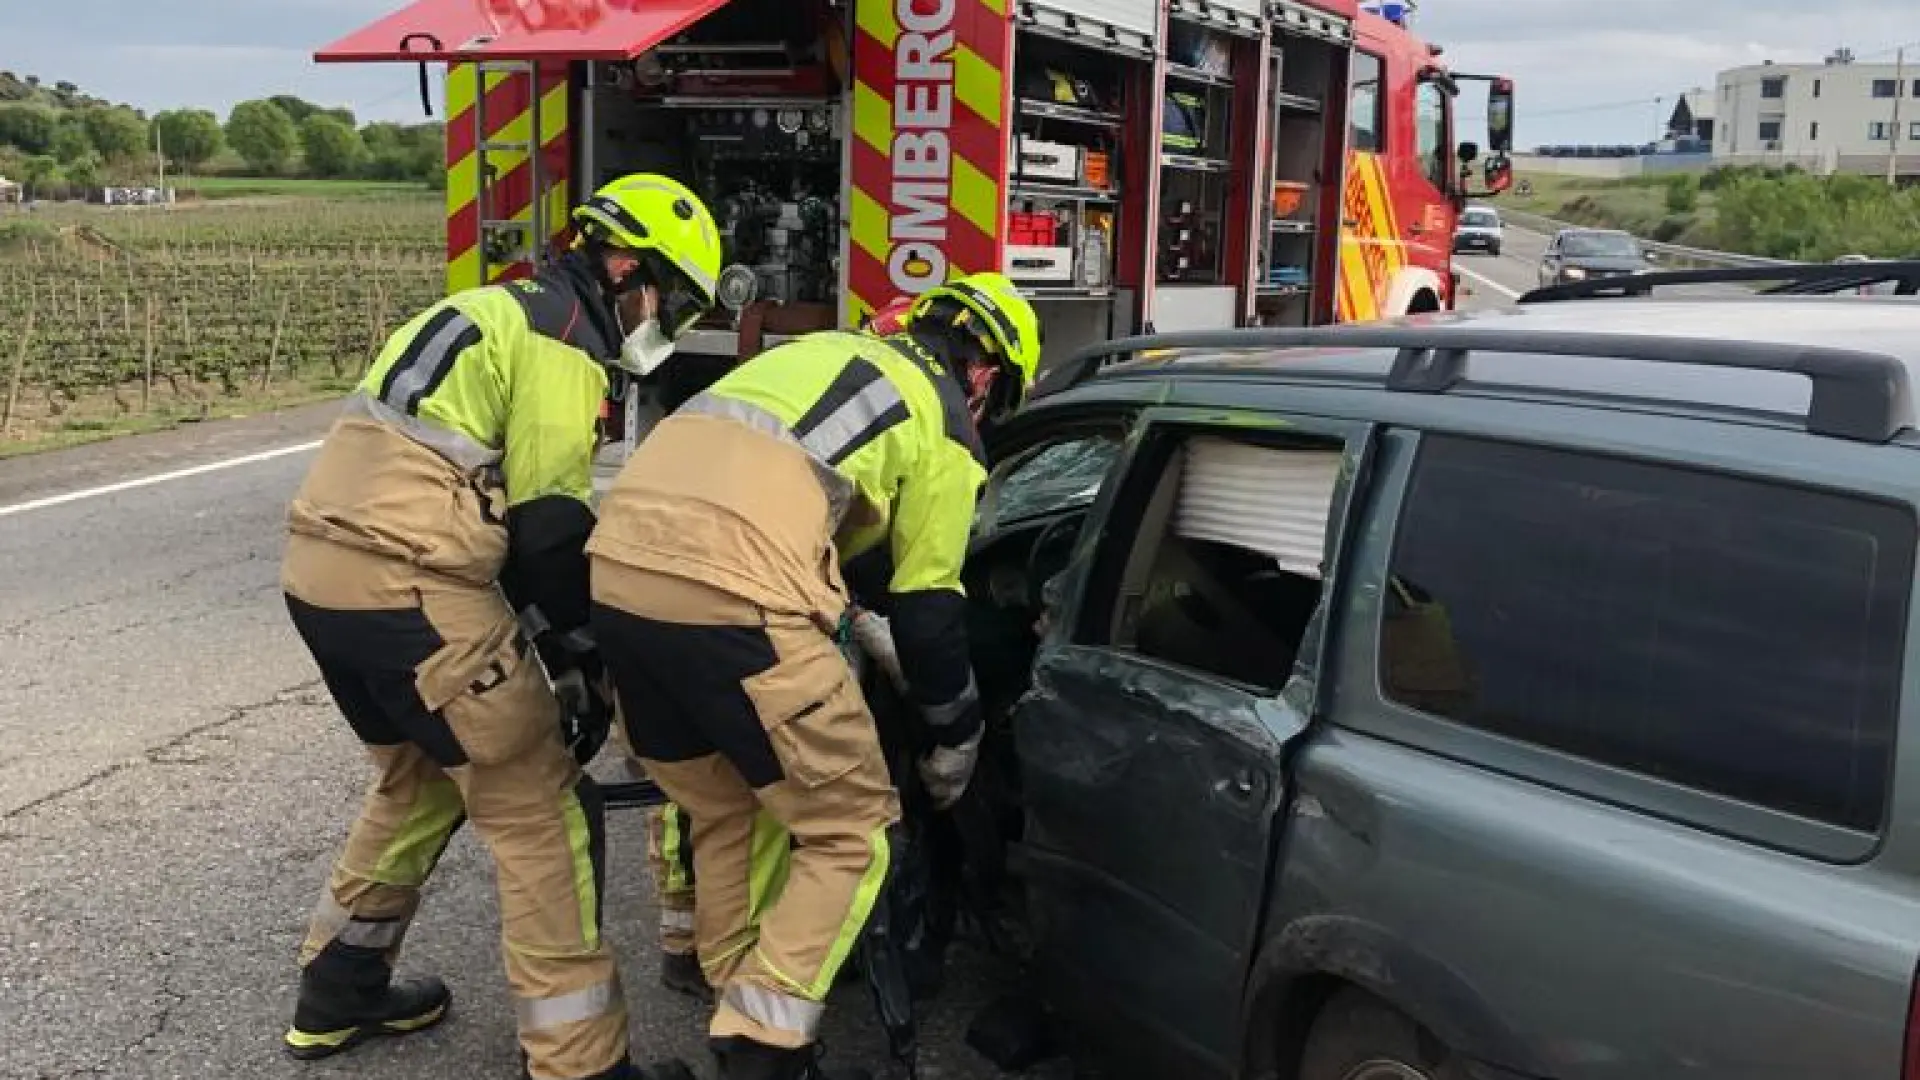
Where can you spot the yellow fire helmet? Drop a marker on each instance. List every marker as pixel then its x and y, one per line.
pixel 657 215
pixel 1006 324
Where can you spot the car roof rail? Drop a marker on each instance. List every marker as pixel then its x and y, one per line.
pixel 1858 395
pixel 1802 279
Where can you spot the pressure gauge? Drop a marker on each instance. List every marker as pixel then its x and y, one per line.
pixel 817 121
pixel 760 118
pixel 790 120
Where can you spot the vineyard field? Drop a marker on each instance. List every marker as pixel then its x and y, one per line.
pixel 131 317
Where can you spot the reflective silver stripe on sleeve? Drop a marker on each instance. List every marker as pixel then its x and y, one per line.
pixel 839 490
pixel 950 711
pixel 462 452
pixel 676 920
pixel 773 1009
pixel 423 367
pixel 600 999
pixel 336 923
pixel 877 405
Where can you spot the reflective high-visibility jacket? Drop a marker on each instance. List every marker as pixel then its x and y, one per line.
pixel 468 447
pixel 880 433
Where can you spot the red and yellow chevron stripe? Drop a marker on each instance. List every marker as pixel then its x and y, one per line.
pixel 1372 250
pixel 509 115
pixel 929 155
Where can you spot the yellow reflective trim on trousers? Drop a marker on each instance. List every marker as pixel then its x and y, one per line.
pixel 767 864
pixel 580 846
pixel 864 897
pixel 672 841
pixel 416 846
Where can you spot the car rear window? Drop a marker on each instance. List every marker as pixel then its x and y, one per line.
pixel 1602 246
pixel 1727 634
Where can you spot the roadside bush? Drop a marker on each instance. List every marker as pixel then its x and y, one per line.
pixel 1797 216
pixel 1683 194
pixel 1673 227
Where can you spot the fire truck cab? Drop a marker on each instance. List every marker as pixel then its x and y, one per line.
pixel 1136 165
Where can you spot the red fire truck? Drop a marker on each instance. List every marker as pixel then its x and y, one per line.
pixel 1136 164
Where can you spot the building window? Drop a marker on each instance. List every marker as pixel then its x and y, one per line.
pixel 1813 131
pixel 1879 130
pixel 1816 88
pixel 1769 130
pixel 1913 132
pixel 1885 88
pixel 1622 612
pixel 1915 92
pixel 1774 87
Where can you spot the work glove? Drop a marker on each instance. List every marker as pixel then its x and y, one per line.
pixel 947 770
pixel 874 635
pixel 586 716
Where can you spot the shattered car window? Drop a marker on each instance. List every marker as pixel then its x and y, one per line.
pixel 1058 477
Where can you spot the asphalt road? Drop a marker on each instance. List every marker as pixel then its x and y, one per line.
pixel 173 782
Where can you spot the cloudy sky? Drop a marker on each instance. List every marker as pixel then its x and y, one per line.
pixel 1587 70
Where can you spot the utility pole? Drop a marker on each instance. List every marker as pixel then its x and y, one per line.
pixel 160 159
pixel 1893 137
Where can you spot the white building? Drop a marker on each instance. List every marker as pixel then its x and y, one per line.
pixel 1835 116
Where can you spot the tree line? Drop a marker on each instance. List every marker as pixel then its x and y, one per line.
pixel 54 138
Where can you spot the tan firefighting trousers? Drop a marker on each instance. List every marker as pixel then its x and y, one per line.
pixel 669 855
pixel 472 733
pixel 786 873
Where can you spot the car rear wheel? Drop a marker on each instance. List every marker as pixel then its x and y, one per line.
pixel 1358 1037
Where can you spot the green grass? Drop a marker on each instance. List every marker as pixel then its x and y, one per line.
pixel 1637 204
pixel 234 187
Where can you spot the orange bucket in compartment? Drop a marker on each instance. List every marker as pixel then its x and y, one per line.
pixel 1287 197
pixel 1096 169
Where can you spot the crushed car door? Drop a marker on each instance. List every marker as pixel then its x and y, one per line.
pixel 1152 744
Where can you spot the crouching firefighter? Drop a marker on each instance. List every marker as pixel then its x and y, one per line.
pixel 436 572
pixel 717 596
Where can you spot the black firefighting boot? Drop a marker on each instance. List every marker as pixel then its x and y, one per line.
pixel 680 972
pixel 744 1059
pixel 347 996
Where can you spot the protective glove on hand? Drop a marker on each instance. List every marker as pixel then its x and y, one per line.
pixel 586 717
pixel 874 635
pixel 947 770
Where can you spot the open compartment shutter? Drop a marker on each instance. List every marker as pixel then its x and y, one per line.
pixel 455 31
pixel 1264 499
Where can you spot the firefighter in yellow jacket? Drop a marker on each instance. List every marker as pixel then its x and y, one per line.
pixel 436 571
pixel 717 597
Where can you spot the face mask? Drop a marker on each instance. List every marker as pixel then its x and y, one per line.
pixel 645 349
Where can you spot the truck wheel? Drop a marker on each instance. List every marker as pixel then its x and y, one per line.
pixel 1357 1037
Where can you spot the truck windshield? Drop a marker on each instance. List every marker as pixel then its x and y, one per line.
pixel 1603 246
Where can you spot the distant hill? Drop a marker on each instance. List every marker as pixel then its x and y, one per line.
pixel 31 90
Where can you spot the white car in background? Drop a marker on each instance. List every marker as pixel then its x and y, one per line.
pixel 1479 230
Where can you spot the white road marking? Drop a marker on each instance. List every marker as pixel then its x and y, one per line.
pixel 158 478
pixel 1511 294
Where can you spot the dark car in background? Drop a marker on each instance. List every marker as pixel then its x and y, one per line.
pixel 1586 254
